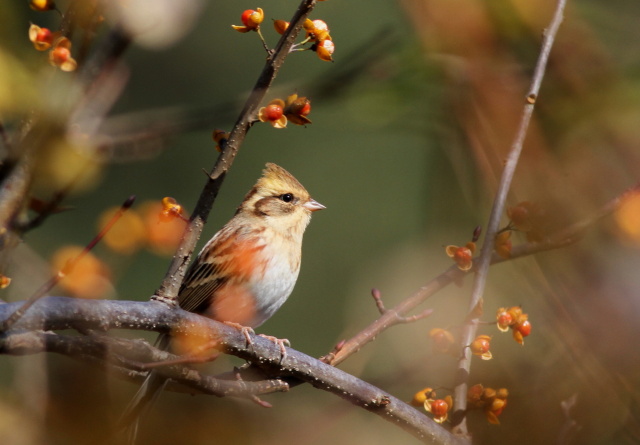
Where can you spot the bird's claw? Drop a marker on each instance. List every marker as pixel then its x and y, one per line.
pixel 245 330
pixel 280 342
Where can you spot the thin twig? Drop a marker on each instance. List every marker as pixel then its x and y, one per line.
pixel 49 208
pixel 562 238
pixel 570 427
pixel 140 134
pixel 480 278
pixel 68 268
pixel 396 318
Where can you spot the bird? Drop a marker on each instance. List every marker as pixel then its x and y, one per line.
pixel 244 274
pixel 248 269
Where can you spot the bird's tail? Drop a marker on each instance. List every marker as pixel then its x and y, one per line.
pixel 144 399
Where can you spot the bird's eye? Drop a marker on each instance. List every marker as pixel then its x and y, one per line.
pixel 287 197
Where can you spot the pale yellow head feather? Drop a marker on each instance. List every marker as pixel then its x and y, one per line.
pixel 276 179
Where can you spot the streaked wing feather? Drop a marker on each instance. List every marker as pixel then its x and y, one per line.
pixel 196 297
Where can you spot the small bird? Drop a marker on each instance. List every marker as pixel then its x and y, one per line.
pixel 247 270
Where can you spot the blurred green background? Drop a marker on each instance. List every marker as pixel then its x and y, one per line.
pixel 411 124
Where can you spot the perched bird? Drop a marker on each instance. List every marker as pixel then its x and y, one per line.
pixel 247 270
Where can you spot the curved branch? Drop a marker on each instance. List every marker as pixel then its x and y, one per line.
pixel 124 354
pixel 57 313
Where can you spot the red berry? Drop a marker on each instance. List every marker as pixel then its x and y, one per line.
pixel 246 15
pixel 439 408
pixel 524 328
pixel 60 55
pixel 481 344
pixel 306 109
pixel 273 112
pixel 44 35
pixel 505 319
pixel 463 254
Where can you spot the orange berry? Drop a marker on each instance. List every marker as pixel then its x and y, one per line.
pixel 520 215
pixel 320 25
pixel 442 340
pixel 474 395
pixel 325 49
pixel 162 236
pixel 488 394
pixel 422 396
pixel 42 38
pixel 502 244
pixel 504 320
pixel 170 209
pixel 523 328
pixel 461 255
pixel 273 112
pixel 280 26
pixel 298 105
pixel 60 55
pixel 89 277
pixel 5 281
pixel 515 312
pixel 308 25
pixel 246 17
pixel 44 35
pixel 306 109
pixel 220 137
pixel 42 5
pixel 297 108
pixel 481 346
pixel 439 408
pixel 125 237
pixel 252 19
pixel 517 336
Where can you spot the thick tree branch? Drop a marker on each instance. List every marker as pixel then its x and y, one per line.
pixel 127 354
pixel 57 313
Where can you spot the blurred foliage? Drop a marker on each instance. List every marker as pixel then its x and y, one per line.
pixel 411 124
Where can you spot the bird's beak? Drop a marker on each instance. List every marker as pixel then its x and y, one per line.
pixel 313 205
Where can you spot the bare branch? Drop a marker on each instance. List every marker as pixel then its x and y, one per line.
pixel 106 350
pixel 562 238
pixel 56 313
pixel 483 263
pixel 395 317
